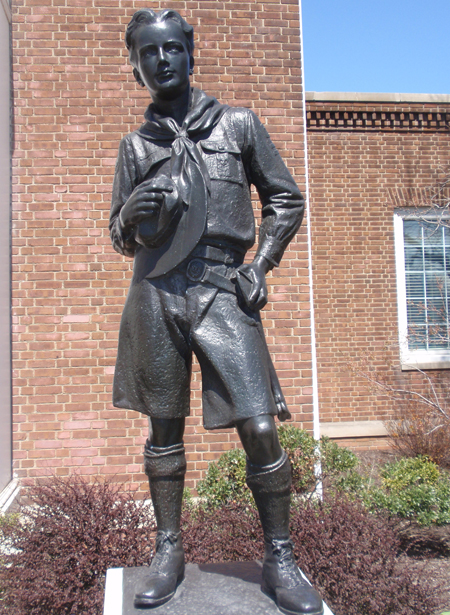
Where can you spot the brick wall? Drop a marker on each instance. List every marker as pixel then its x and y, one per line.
pixel 75 97
pixel 362 155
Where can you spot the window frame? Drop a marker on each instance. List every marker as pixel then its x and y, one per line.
pixel 411 359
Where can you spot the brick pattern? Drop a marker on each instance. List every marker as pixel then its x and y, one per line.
pixel 362 445
pixel 366 117
pixel 75 97
pixel 356 179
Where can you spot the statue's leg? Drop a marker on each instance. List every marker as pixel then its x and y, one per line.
pixel 165 466
pixel 269 478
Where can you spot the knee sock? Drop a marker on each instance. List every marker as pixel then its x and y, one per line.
pixel 271 488
pixel 166 468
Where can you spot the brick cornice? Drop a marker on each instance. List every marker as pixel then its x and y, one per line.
pixel 332 116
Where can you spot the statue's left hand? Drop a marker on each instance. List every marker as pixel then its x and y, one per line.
pixel 251 280
pixel 282 409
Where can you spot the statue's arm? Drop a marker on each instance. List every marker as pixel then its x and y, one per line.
pixel 282 209
pixel 124 183
pixel 282 202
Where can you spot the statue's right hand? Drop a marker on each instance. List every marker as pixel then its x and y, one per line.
pixel 145 202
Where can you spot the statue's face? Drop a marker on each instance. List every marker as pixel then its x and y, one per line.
pixel 163 58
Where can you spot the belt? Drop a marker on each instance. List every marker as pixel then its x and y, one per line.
pixel 198 271
pixel 221 255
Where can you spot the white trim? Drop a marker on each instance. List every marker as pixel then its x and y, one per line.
pixel 7 9
pixel 113 592
pixel 369 97
pixel 401 288
pixel 326 609
pixel 411 359
pixel 426 359
pixel 354 429
pixel 9 494
pixel 315 379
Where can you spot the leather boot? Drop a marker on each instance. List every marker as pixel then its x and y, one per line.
pixel 282 581
pixel 166 571
pixel 165 468
pixel 281 578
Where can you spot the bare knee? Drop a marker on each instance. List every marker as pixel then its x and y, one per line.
pixel 259 438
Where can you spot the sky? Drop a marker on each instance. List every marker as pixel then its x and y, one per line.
pixel 398 46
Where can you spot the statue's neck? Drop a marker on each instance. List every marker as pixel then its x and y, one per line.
pixel 176 108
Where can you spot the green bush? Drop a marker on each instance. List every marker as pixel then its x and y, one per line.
pixel 224 482
pixel 336 459
pixel 414 489
pixel 409 472
pixel 337 464
pixel 303 453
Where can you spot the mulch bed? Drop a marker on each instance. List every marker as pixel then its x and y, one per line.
pixel 437 570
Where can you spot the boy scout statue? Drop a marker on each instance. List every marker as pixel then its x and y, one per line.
pixel 181 207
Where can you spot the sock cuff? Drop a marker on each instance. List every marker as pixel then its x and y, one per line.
pixel 160 451
pixel 255 469
pixel 273 478
pixel 165 462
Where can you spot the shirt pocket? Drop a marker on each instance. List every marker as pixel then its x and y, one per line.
pixel 223 161
pixel 150 165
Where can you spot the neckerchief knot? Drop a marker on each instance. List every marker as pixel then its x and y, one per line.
pixel 187 167
pixel 182 134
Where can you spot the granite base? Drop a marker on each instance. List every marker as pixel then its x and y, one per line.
pixel 230 588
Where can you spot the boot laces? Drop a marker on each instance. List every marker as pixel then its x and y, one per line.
pixel 283 550
pixel 164 543
pixel 165 537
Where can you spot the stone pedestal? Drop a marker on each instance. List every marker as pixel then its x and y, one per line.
pixel 231 588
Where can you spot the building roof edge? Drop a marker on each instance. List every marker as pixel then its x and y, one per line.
pixel 369 97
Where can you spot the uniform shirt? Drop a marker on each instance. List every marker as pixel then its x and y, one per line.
pixel 237 152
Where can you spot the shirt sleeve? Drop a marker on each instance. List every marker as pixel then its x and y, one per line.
pixel 282 202
pixel 123 185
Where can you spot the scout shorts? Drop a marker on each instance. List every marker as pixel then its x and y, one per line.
pixel 167 319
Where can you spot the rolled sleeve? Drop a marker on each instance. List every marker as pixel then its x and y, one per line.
pixel 123 185
pixel 282 202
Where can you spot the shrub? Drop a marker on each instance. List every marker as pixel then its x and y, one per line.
pixel 225 480
pixel 303 453
pixel 58 554
pixel 349 555
pixel 417 431
pixel 418 401
pixel 351 558
pixel 407 472
pixel 336 462
pixel 335 459
pixel 414 489
pixel 229 533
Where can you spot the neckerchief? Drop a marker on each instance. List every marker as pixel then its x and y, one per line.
pixel 187 164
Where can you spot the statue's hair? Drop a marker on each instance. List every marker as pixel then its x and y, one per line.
pixel 148 17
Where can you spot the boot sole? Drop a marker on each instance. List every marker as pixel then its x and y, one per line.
pixel 143 603
pixel 151 602
pixel 273 597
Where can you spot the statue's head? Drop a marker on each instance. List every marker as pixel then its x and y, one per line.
pixel 161 47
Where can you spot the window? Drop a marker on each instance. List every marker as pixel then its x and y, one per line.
pixel 422 253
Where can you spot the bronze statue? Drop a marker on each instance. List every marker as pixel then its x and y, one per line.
pixel 181 207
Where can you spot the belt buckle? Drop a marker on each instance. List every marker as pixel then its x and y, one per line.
pixel 196 270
